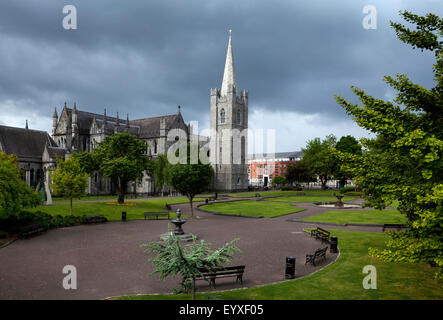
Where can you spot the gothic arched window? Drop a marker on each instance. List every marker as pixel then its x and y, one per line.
pixel 155 147
pixel 222 116
pixel 238 116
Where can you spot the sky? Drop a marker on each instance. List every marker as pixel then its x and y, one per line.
pixel 146 57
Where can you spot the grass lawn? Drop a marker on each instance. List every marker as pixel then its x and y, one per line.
pixel 263 193
pixel 283 193
pixel 309 199
pixel 369 216
pixel 253 208
pixel 106 197
pixel 343 279
pixel 111 212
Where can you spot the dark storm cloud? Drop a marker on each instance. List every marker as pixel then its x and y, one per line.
pixel 146 57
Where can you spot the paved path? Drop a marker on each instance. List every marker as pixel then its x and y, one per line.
pixel 110 261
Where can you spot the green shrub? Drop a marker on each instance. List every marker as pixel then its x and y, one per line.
pixel 346 189
pixel 12 224
pixel 3 234
pixel 291 188
pixel 353 193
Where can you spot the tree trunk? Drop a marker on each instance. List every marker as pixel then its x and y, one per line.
pixel 192 209
pixel 193 288
pixel 121 193
pixel 71 207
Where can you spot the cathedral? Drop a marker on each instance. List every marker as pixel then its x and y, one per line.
pixel 75 130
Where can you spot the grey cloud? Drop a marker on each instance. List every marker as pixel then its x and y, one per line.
pixel 146 57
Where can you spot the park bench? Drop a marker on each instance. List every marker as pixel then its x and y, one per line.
pixel 156 214
pixel 321 234
pixel 30 230
pixel 227 272
pixel 319 253
pixel 95 218
pixel 393 226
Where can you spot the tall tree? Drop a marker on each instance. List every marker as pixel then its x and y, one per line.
pixel 120 157
pixel 189 261
pixel 69 180
pixel 404 162
pixel 14 193
pixel 320 158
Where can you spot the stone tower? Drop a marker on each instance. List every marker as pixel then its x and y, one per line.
pixel 229 131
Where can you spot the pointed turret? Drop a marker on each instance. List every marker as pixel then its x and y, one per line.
pixel 105 118
pixel 54 121
pixel 74 115
pixel 229 83
pixel 117 122
pixel 26 125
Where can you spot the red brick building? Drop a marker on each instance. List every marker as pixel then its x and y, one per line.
pixel 263 168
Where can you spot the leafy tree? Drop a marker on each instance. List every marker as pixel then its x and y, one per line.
pixel 320 158
pixel 14 193
pixel 88 161
pixel 69 180
pixel 346 144
pixel 189 261
pixel 120 157
pixel 191 179
pixel 279 180
pixel 162 171
pixel 299 172
pixel 404 162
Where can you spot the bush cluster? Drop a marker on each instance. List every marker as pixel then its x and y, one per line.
pixel 346 189
pixel 291 188
pixel 353 193
pixel 12 224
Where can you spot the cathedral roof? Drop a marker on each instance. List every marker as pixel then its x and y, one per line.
pixel 84 119
pixel 150 127
pixel 56 152
pixel 24 143
pixel 144 128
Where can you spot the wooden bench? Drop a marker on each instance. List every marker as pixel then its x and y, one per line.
pixel 30 230
pixel 393 226
pixel 95 218
pixel 321 234
pixel 319 253
pixel 227 272
pixel 156 214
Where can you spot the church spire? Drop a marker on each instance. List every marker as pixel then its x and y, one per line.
pixel 229 80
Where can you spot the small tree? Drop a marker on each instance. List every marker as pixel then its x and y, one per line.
pixel 346 145
pixel 162 171
pixel 189 261
pixel 69 180
pixel 319 157
pixel 14 193
pixel 299 172
pixel 191 179
pixel 279 181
